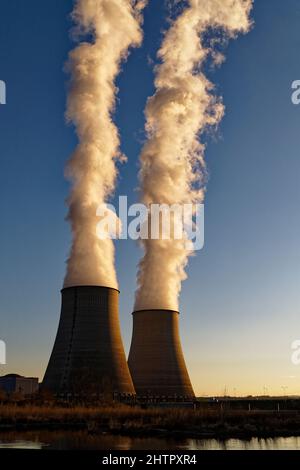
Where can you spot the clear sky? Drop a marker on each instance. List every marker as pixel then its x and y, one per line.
pixel 240 307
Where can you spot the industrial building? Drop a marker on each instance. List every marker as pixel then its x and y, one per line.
pixel 14 383
pixel 156 359
pixel 88 356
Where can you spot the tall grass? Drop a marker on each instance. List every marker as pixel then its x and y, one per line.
pixel 122 418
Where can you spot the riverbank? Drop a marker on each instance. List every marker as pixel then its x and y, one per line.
pixel 135 421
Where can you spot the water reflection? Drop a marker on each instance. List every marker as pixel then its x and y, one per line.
pixel 80 440
pixel 279 443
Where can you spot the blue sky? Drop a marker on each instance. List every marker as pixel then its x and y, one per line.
pixel 240 305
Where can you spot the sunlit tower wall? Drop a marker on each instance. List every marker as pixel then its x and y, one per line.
pixel 156 359
pixel 88 355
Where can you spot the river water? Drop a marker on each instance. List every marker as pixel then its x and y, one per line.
pixel 80 440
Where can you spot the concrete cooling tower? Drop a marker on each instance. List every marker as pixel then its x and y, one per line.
pixel 156 360
pixel 88 355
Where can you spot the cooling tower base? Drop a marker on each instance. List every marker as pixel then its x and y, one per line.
pixel 156 360
pixel 88 356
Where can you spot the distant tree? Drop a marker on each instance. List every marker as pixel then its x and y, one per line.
pixel 3 395
pixel 44 396
pixel 16 397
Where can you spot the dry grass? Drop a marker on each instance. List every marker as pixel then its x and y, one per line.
pixel 125 419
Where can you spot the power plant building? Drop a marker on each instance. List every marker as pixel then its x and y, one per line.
pixel 88 355
pixel 14 383
pixel 156 359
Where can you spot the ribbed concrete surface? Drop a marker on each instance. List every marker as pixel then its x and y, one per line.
pixel 156 360
pixel 88 354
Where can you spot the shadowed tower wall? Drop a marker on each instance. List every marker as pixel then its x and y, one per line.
pixel 88 354
pixel 156 359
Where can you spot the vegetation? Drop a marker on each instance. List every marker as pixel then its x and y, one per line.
pixel 121 419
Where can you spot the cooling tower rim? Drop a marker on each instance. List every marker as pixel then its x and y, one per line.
pixel 89 286
pixel 156 310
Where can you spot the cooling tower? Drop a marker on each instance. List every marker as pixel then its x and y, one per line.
pixel 156 360
pixel 88 355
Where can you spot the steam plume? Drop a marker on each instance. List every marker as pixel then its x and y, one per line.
pixel 114 26
pixel 172 160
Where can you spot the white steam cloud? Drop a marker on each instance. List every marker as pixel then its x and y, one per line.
pixel 113 26
pixel 182 108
